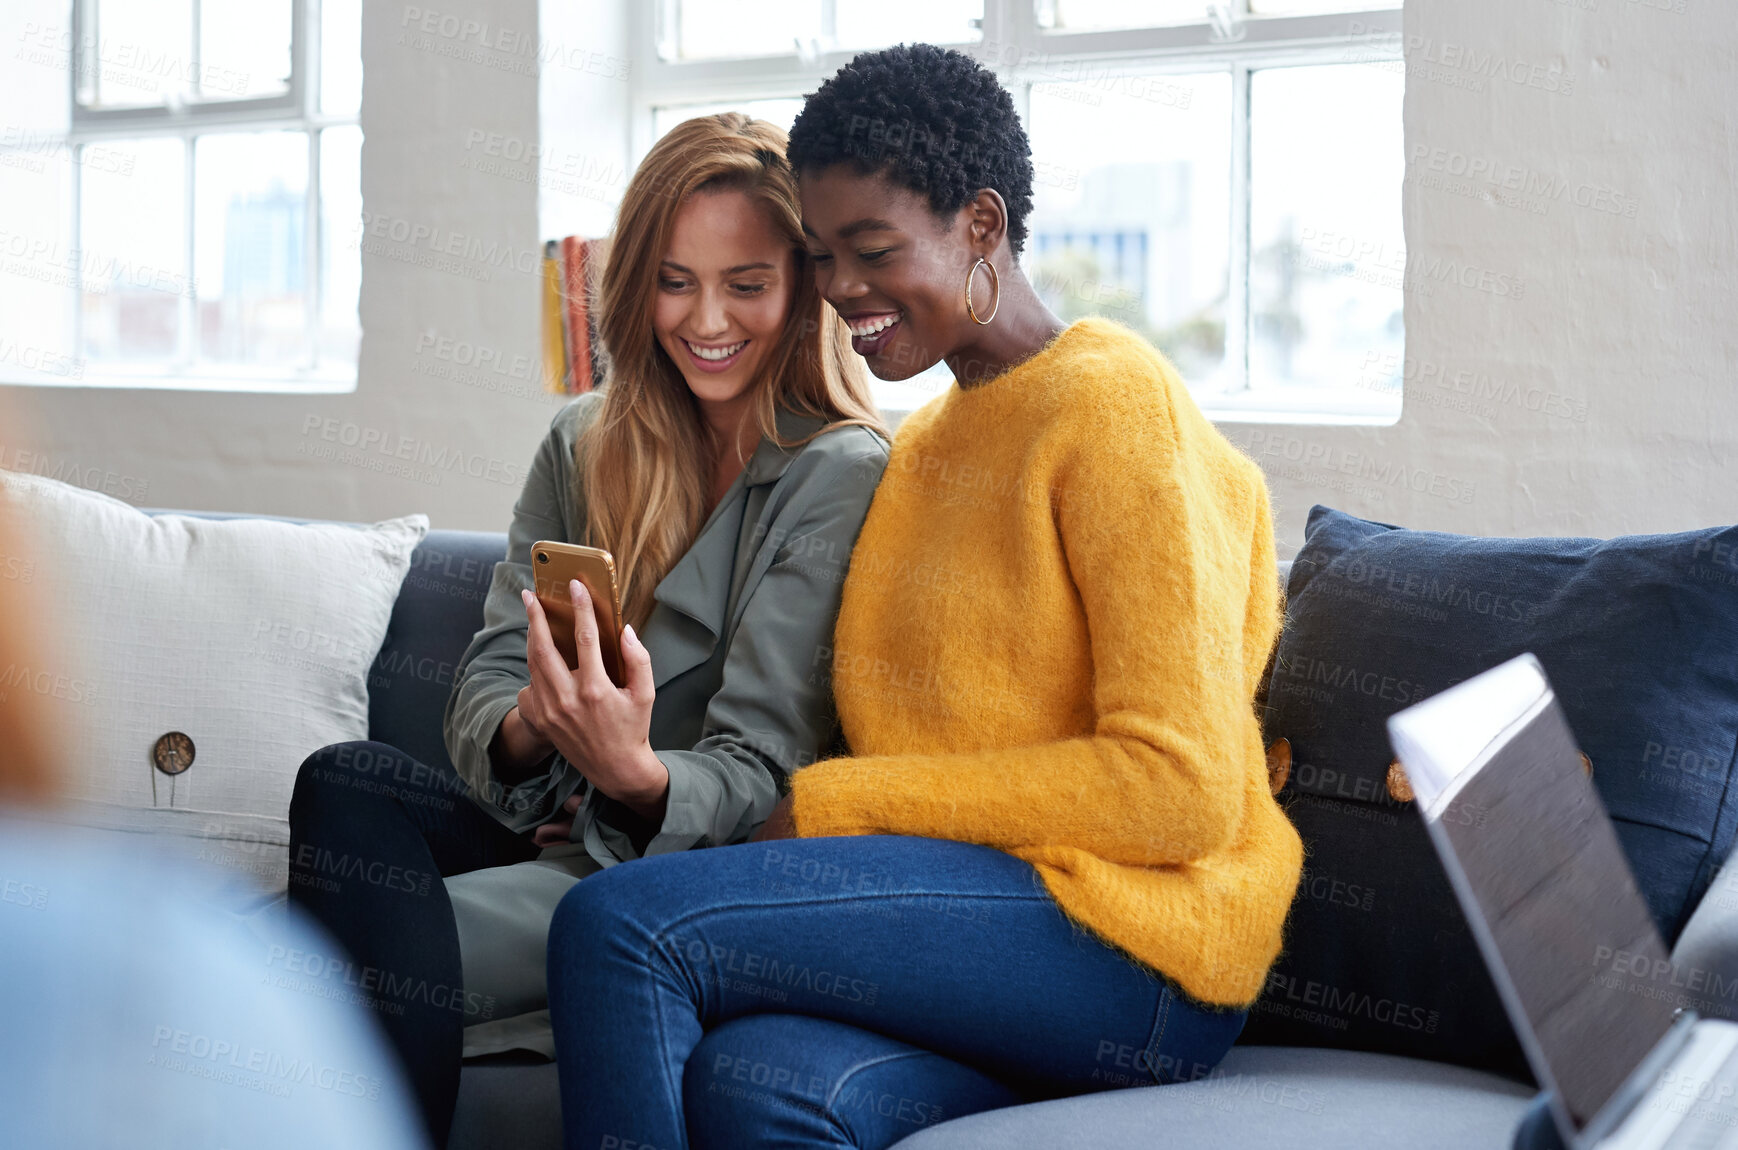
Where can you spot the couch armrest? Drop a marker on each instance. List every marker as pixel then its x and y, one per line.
pixel 1706 955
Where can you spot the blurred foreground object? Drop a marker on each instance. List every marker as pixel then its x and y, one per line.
pixel 26 744
pixel 144 1019
pixel 142 1016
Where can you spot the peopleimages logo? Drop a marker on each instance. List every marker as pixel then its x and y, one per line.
pixel 1431 588
pixel 1265 445
pixel 1469 67
pixel 1387 367
pixel 497 46
pixel 1524 181
pixel 125 64
pixel 423 459
pixel 1349 1003
pixel 438 241
pixel 91 478
pixel 50 684
pixel 205 1056
pixel 1339 676
pixel 771 971
pixel 47 261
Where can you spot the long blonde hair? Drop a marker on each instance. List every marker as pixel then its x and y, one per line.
pixel 645 463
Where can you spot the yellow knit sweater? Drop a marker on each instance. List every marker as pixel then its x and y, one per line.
pixel 1052 632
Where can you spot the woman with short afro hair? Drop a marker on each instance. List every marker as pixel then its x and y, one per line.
pixel 1051 862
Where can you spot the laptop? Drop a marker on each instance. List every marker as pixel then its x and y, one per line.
pixel 1582 972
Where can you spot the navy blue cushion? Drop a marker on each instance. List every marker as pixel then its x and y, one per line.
pixel 1639 637
pixel 439 609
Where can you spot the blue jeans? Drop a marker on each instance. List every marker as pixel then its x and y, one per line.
pixel 842 992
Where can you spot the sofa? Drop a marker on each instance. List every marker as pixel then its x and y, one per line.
pixel 1261 1095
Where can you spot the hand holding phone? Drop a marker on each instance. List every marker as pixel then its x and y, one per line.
pixel 553 566
pixel 604 734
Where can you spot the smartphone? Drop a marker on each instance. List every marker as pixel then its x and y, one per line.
pixel 552 566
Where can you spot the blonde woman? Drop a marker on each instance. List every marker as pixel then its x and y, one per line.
pixel 727 465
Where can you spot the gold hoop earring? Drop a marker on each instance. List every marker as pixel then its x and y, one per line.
pixel 995 282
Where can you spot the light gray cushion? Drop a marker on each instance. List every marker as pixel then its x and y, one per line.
pixel 1265 1097
pixel 1260 1096
pixel 250 639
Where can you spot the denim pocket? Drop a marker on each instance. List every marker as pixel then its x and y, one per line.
pixel 1152 1055
pixel 1188 1041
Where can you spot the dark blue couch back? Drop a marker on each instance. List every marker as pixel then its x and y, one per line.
pixel 439 608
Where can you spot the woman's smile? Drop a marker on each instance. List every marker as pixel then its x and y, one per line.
pixel 714 358
pixel 871 332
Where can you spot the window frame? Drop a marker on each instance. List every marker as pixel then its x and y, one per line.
pixel 1022 52
pixel 295 110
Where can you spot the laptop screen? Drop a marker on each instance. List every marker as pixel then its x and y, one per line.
pixel 1542 878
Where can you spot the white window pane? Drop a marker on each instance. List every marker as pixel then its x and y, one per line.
pixel 133 254
pixel 713 29
pixel 38 263
pixel 878 23
pixel 1315 7
pixel 340 57
pixel 244 48
pixel 1085 15
pixel 780 111
pixel 710 29
pixel 33 78
pixel 250 220
pixel 1327 253
pixel 139 52
pixel 340 257
pixel 1132 212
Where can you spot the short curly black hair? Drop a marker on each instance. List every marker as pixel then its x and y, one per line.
pixel 931 119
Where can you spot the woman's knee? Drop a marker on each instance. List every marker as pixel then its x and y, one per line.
pixel 738 1088
pixel 351 774
pixel 612 922
pixel 588 914
pixel 322 775
pixel 793 1080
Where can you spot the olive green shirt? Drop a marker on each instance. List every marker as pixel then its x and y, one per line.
pixel 740 637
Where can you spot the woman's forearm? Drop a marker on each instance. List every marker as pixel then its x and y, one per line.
pixel 517 751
